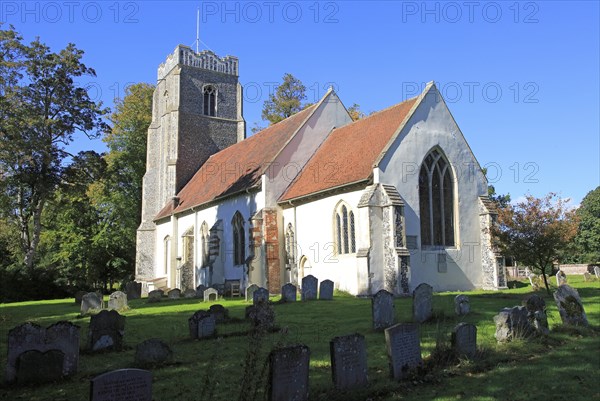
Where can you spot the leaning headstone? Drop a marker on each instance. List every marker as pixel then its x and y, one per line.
pixel 597 271
pixel 210 294
pixel 133 289
pixel 91 301
pixel 512 323
pixel 79 297
pixel 570 306
pixel 382 307
pixel 403 348
pixel 117 300
pixel 200 291
pixel 206 326
pixel 189 293
pixel 250 292
pixel 106 331
pixel 260 295
pixel 220 313
pixel 348 361
pixel 175 293
pixel 422 303
pixel 326 290
pixel 288 293
pixel 288 374
pixel 193 322
pixel 153 352
pixel 40 367
pixel 155 295
pixel 462 306
pixel 122 385
pixel 61 336
pixel 561 278
pixel 309 288
pixel 464 339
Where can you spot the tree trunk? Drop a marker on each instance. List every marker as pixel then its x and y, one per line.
pixel 546 282
pixel 35 237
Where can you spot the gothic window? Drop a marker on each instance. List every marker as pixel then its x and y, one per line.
pixel 204 237
pixel 345 230
pixel 290 245
pixel 210 101
pixel 167 253
pixel 188 246
pixel 239 239
pixel 436 200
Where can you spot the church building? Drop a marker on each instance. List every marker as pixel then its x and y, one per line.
pixel 386 202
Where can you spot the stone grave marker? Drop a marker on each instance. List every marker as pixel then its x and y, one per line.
pixel 153 352
pixel 326 290
pixel 462 306
pixel 382 308
pixel 62 336
pixel 200 291
pixel 512 323
pixel 175 293
pixel 210 294
pixel 422 303
pixel 570 306
pixel 189 293
pixel 260 295
pixel 91 301
pixel 206 326
pixel 587 277
pixel 250 292
pixel 309 288
pixel 348 361
pixel 289 293
pixel 155 295
pixel 536 313
pixel 40 367
pixel 464 339
pixel 193 322
pixel 288 374
pixel 133 289
pixel 597 271
pixel 117 300
pixel 403 348
pixel 561 278
pixel 106 331
pixel 122 385
pixel 79 297
pixel 220 313
pixel 262 316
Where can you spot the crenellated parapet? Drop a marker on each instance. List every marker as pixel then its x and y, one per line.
pixel 206 59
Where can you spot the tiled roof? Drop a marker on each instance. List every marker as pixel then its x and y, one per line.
pixel 349 153
pixel 238 167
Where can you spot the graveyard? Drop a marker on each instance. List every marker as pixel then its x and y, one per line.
pixel 202 351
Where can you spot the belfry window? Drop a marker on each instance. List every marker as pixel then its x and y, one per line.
pixel 344 230
pixel 239 239
pixel 210 101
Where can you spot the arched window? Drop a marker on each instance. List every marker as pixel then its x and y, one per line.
pixel 167 253
pixel 210 101
pixel 436 200
pixel 290 245
pixel 204 237
pixel 188 246
pixel 239 239
pixel 345 230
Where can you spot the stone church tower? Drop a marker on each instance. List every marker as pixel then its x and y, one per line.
pixel 196 112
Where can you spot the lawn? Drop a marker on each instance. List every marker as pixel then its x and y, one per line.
pixel 564 366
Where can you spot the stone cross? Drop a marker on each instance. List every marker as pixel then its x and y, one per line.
pixel 326 290
pixel 122 385
pixel 403 348
pixel 349 361
pixel 422 303
pixel 309 288
pixel 288 374
pixel 382 308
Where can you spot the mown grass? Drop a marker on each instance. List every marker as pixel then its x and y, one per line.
pixel 563 366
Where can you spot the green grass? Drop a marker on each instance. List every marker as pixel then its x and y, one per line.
pixel 564 366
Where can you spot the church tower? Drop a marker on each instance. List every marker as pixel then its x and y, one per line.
pixel 196 112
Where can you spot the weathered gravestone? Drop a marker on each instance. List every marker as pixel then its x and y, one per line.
pixel 117 300
pixel 288 374
pixel 309 288
pixel 207 326
pixel 403 348
pixel 262 316
pixel 153 352
pixel 260 295
pixel 382 308
pixel 106 331
pixel 133 289
pixel 79 297
pixel 462 306
pixel 587 277
pixel 189 293
pixel 326 290
pixel 570 306
pixel 464 339
pixel 91 301
pixel 220 313
pixel 512 323
pixel 288 293
pixel 175 293
pixel 422 303
pixel 122 385
pixel 536 313
pixel 155 295
pixel 348 361
pixel 250 292
pixel 61 336
pixel 561 278
pixel 193 322
pixel 210 294
pixel 200 291
pixel 40 367
pixel 597 271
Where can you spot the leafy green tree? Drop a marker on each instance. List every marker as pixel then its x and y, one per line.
pixel 285 101
pixel 355 112
pixel 587 241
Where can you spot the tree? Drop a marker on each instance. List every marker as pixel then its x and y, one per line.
pixel 285 101
pixel 41 110
pixel 355 112
pixel 587 241
pixel 536 230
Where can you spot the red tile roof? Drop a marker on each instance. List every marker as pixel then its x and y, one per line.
pixel 237 167
pixel 349 153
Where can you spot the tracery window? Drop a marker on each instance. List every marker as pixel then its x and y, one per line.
pixel 239 239
pixel 210 101
pixel 345 230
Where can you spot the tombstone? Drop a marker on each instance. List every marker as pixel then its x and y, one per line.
pixel 570 306
pixel 175 293
pixel 40 367
pixel 122 385
pixel 536 313
pixel 260 295
pixel 153 352
pixel 597 271
pixel 561 278
pixel 133 289
pixel 288 374
pixel 348 361
pixel 206 326
pixel 462 306
pixel 200 291
pixel 193 322
pixel 62 336
pixel 512 323
pixel 382 307
pixel 288 293
pixel 262 316
pixel 79 296
pixel 106 331
pixel 403 348
pixel 464 340
pixel 189 293
pixel 422 303
pixel 250 292
pixel 210 294
pixel 117 300
pixel 309 288
pixel 587 277
pixel 155 295
pixel 91 301
pixel 326 290
pixel 220 313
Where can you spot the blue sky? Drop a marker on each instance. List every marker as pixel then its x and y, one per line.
pixel 521 78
